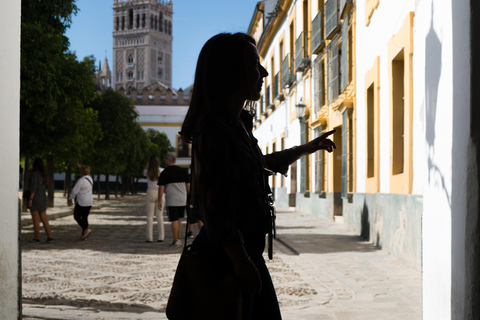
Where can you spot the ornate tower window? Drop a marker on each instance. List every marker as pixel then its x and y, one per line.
pixel 160 21
pixel 130 19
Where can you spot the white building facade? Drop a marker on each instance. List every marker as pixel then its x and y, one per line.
pixel 397 82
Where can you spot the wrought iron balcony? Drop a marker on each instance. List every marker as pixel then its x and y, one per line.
pixel 302 56
pixel 130 79
pixel 268 101
pixel 130 65
pixel 288 74
pixel 277 92
pixel 318 38
pixel 345 6
pixel 332 24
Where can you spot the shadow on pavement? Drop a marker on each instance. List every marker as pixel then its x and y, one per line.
pixel 326 243
pixel 92 305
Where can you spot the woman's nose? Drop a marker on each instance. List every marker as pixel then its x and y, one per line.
pixel 264 72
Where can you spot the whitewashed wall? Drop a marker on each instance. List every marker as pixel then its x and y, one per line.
pixel 9 158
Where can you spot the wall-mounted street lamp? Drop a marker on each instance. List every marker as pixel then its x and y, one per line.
pixel 300 107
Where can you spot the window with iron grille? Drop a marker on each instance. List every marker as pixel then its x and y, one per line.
pixel 345 5
pixel 318 84
pixel 287 70
pixel 333 70
pixel 275 86
pixel 319 165
pixel 301 51
pixel 317 32
pixel 267 99
pixel 262 108
pixel 344 57
pixel 331 16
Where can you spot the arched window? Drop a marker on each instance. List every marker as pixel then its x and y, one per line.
pixel 123 23
pixel 160 20
pixel 117 25
pixel 170 27
pixel 166 26
pixel 143 20
pixel 156 23
pixel 130 59
pixel 151 21
pixel 130 74
pixel 138 21
pixel 130 19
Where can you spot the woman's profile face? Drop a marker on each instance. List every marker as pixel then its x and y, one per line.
pixel 255 74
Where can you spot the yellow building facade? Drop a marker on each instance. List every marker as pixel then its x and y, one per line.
pixel 344 65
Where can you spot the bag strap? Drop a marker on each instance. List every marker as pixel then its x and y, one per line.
pixel 86 178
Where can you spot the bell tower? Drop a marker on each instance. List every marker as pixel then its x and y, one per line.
pixel 142 43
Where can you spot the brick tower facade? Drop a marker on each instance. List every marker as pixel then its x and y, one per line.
pixel 142 43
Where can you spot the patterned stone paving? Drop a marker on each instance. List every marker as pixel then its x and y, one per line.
pixel 114 274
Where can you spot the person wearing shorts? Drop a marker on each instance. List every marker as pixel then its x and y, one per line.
pixel 174 182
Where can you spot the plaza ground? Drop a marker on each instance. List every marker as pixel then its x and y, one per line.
pixel 321 269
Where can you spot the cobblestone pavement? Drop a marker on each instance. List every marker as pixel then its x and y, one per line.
pixel 321 270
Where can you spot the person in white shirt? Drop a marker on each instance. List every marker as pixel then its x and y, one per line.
pixel 152 172
pixel 82 193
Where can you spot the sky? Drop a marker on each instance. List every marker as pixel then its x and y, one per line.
pixel 194 22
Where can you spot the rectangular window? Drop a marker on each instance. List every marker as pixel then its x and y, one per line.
pixel 344 72
pixel 398 112
pixel 333 70
pixel 371 131
pixel 318 84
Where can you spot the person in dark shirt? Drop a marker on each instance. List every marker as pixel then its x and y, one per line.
pixel 174 182
pixel 230 173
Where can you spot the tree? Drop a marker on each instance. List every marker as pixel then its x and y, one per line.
pixel 135 156
pixel 117 116
pixel 160 145
pixel 54 87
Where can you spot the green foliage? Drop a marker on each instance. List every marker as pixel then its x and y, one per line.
pixel 116 115
pixel 159 145
pixel 43 44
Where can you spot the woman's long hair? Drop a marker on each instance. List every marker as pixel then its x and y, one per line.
pixel 221 79
pixel 153 165
pixel 40 167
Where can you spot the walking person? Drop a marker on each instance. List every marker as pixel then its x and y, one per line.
pixel 230 175
pixel 37 202
pixel 82 193
pixel 152 172
pixel 175 184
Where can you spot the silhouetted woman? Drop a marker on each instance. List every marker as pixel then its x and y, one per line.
pixel 38 201
pixel 229 179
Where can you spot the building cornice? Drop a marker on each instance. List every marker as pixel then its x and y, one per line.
pixel 273 26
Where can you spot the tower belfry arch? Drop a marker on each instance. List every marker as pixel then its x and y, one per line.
pixel 142 43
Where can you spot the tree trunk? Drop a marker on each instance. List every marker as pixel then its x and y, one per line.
pixel 68 184
pixel 135 186
pixel 123 187
pixel 98 186
pixel 51 182
pixel 25 182
pixel 116 187
pixel 107 187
